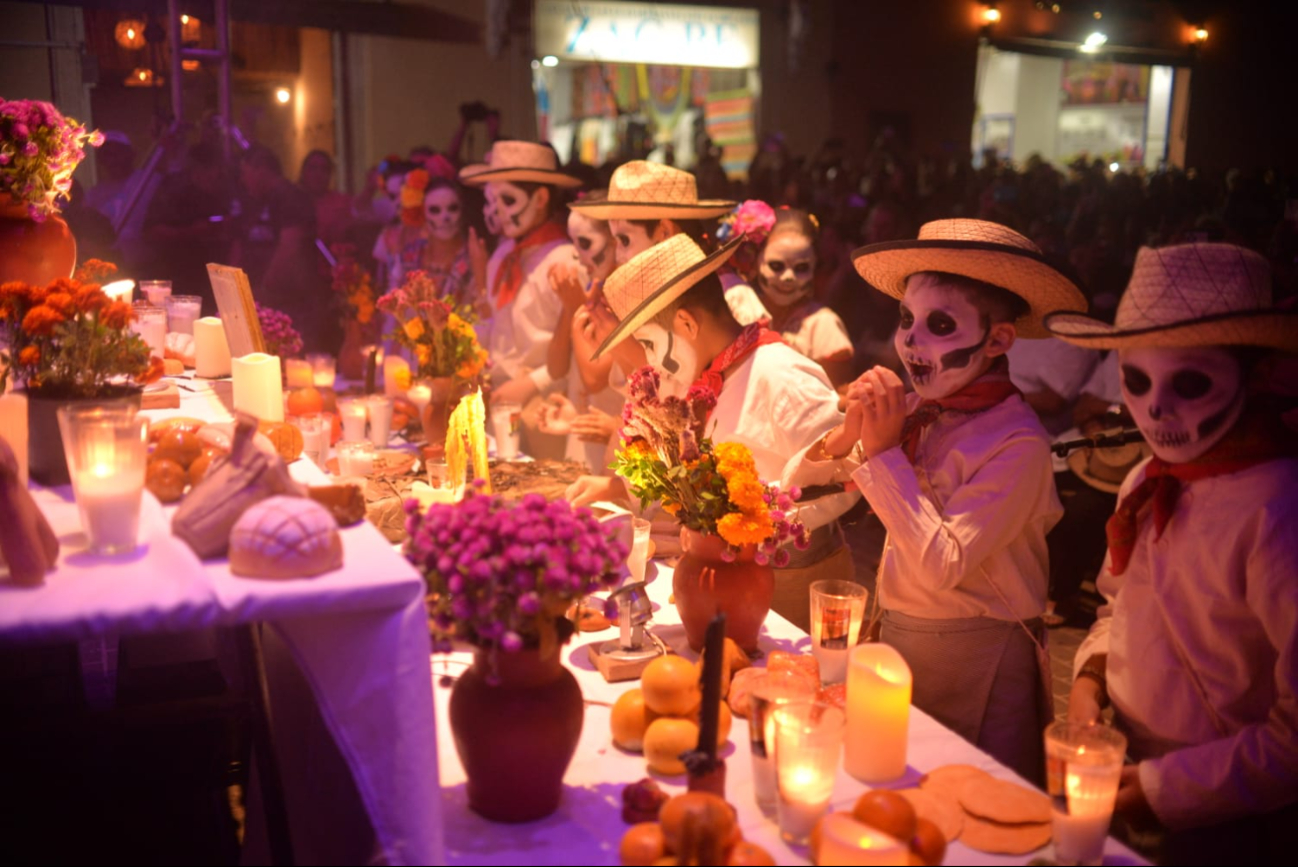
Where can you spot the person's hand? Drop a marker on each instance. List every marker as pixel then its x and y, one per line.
pixel 883 404
pixel 1085 701
pixel 839 441
pixel 566 282
pixel 478 260
pixel 592 489
pixel 518 390
pixel 556 416
pixel 602 319
pixel 1132 803
pixel 595 426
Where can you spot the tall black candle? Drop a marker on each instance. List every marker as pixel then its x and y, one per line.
pixel 371 370
pixel 713 664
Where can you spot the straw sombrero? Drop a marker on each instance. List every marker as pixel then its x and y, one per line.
pixel 655 278
pixel 979 249
pixel 641 190
pixel 1106 468
pixel 1190 295
pixel 511 160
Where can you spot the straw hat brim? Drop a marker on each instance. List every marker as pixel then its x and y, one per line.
pixel 607 210
pixel 667 293
pixel 515 175
pixel 1079 462
pixel 886 266
pixel 1274 329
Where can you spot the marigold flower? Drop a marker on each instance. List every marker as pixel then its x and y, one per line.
pixel 40 321
pixel 116 315
pixel 62 302
pixel 90 299
pixel 740 529
pixel 29 356
pixel 414 328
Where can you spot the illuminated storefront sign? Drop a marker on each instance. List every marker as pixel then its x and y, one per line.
pixel 658 33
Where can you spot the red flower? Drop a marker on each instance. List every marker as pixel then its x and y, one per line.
pixel 30 356
pixel 41 320
pixel 116 315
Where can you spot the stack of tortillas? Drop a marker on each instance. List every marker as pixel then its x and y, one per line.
pixel 987 814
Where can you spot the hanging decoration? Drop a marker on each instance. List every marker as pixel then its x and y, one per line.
pixel 129 33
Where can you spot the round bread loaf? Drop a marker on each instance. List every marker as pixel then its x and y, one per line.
pixel 285 537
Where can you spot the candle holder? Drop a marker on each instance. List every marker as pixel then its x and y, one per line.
pixel 845 841
pixel 1083 766
pixel 182 310
pixel 808 745
pixel 352 414
pixel 506 427
pixel 355 458
pixel 298 373
pixel 314 438
pixel 837 609
pixel 324 369
pixel 107 448
pixel 878 713
pixel 379 408
pixel 156 292
pixel 150 322
pixel 768 692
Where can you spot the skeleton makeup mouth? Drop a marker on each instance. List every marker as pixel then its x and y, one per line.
pixel 921 373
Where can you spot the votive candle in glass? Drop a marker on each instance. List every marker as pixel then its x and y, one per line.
pixel 107 448
pixel 808 744
pixel 845 841
pixel 352 415
pixel 182 310
pixel 355 458
pixel 767 692
pixel 324 369
pixel 156 292
pixel 150 323
pixel 297 373
pixel 1083 768
pixel 120 290
pixel 379 408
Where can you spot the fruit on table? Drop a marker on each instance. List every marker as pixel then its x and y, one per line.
pixel 629 719
pixel 693 828
pixel 166 479
pixel 642 845
pixel 286 438
pixel 664 741
pixel 733 660
pixel 928 843
pixel 671 686
pixel 642 801
pixel 745 854
pixel 886 811
pixel 179 445
pixel 199 467
pixel 305 401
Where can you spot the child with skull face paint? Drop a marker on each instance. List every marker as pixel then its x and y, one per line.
pixel 446 254
pixel 959 473
pixel 1197 648
pixel 401 247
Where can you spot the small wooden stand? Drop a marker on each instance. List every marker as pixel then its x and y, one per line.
pixel 616 669
pixel 238 310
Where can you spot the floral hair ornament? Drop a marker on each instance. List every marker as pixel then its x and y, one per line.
pixel 412 197
pixel 752 221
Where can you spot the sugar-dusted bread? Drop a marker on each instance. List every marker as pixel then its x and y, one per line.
pixel 285 537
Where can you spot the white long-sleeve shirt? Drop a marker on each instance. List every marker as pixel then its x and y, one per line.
pixel 969 519
pixel 1201 633
pixel 519 335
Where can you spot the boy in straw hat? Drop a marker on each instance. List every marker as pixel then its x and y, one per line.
pixel 1197 648
pixel 769 397
pixel 520 181
pixel 960 475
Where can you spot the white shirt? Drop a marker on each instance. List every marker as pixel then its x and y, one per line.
pixel 820 335
pixel 973 510
pixel 1202 636
pixel 777 402
pixel 518 336
pixel 1061 367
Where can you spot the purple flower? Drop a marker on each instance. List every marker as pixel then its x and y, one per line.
pixel 781 558
pixel 511 642
pixel 761 558
pixel 728 554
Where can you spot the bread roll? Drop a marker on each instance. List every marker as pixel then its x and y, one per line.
pixel 285 537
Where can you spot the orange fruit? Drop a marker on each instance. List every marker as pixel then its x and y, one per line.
pixel 178 445
pixel 928 844
pixel 670 685
pixel 328 399
pixel 305 401
pixel 724 720
pixel 888 812
pixel 642 845
pixel 710 818
pixel 664 741
pixel 745 854
pixel 628 720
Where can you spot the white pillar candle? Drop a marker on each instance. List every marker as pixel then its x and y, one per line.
pixel 396 375
pixel 878 713
pixel 257 386
pixel 120 290
pixel 13 429
pixel 845 841
pixel 297 373
pixel 211 351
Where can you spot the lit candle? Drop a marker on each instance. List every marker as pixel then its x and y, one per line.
pixel 298 373
pixel 804 797
pixel 420 395
pixel 808 745
pixel 1080 832
pixel 211 351
pixel 151 324
pixel 380 412
pixel 878 713
pixel 352 415
pixel 120 290
pixel 324 369
pixel 396 375
pixel 845 841
pixel 257 386
pixel 13 429
pixel 355 458
pixel 109 501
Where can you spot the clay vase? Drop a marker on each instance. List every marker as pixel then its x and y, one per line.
pixel 705 584
pixel 435 415
pixel 46 461
pixel 351 358
pixel 32 252
pixel 516 737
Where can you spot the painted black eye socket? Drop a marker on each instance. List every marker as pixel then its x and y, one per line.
pixel 648 345
pixel 583 243
pixel 802 269
pixel 776 266
pixel 435 210
pixel 1135 380
pixel 453 209
pixel 907 318
pixel 940 324
pixel 624 240
pixel 1191 384
pixel 507 200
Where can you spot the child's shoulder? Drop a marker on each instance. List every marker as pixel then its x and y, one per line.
pixel 1011 420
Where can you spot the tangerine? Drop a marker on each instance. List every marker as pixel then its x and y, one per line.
pixel 628 720
pixel 642 844
pixel 305 401
pixel 664 741
pixel 886 811
pixel 670 685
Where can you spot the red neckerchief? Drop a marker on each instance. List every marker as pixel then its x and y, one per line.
pixel 753 336
pixel 1255 439
pixel 510 276
pixel 981 394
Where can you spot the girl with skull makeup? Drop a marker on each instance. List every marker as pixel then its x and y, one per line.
pixel 400 248
pixel 446 254
pixel 959 473
pixel 785 273
pixel 1197 647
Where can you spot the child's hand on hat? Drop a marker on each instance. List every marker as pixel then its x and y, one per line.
pixel 882 398
pixel 566 282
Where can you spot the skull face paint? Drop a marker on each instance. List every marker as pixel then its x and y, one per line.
pixel 629 239
pixel 941 339
pixel 444 213
pixel 489 218
pixel 1184 400
pixel 788 263
pixel 668 353
pixel 517 211
pixel 593 243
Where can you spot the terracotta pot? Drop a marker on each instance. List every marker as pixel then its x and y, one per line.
pixel 705 584
pixel 515 738
pixel 46 462
pixel 351 360
pixel 33 252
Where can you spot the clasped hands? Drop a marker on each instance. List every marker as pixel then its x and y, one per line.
pixel 875 414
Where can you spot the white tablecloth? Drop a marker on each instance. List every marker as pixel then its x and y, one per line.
pixel 358 635
pixel 588 826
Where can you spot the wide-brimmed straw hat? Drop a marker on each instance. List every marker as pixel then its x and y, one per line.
pixel 641 190
pixel 979 249
pixel 1106 468
pixel 1205 294
pixel 654 278
pixel 515 161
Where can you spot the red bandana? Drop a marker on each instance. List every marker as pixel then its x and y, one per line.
pixel 745 344
pixel 1254 439
pixel 510 276
pixel 982 394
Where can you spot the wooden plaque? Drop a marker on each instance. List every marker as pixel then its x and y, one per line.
pixel 238 312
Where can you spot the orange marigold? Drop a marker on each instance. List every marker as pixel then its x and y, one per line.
pixel 40 321
pixel 29 356
pixel 116 315
pixel 89 298
pixel 14 291
pixel 740 529
pixel 61 302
